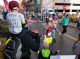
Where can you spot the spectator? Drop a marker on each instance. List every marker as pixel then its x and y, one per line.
pixel 4 14
pixel 16 25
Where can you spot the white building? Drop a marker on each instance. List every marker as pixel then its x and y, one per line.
pixel 70 6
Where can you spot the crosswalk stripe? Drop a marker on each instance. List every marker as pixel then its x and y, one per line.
pixel 71 37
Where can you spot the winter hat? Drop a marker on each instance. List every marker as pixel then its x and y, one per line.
pixel 13 5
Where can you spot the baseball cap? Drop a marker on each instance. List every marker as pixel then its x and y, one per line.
pixel 13 5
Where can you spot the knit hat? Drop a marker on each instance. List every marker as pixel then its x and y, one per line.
pixel 13 5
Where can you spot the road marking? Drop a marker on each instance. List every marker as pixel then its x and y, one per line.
pixel 71 37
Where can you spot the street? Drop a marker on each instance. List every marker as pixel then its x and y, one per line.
pixel 63 44
pixel 56 21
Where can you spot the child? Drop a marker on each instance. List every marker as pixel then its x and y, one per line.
pixel 45 52
pixel 49 27
pixel 48 38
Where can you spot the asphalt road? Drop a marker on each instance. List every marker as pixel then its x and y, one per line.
pixel 63 44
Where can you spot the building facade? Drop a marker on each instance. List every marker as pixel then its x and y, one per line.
pixel 70 6
pixel 47 3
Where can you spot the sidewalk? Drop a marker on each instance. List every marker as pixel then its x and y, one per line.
pixel 74 25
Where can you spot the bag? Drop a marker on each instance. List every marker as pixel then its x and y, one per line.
pixel 13 48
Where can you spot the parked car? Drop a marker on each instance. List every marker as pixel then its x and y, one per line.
pixel 51 11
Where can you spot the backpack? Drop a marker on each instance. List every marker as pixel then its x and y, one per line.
pixel 13 48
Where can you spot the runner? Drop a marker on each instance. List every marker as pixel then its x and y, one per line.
pixel 54 28
pixel 65 23
pixel 49 27
pixel 50 18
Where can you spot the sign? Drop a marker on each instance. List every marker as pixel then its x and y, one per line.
pixel 63 57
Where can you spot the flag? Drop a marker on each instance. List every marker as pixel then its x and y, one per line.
pixel 6 5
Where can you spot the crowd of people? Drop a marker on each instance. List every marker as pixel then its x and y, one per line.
pixel 31 39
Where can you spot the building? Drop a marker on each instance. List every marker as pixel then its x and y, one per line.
pixel 70 6
pixel 47 3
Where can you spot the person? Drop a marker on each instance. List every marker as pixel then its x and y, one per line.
pixel 78 26
pixel 78 22
pixel 4 14
pixel 48 38
pixel 49 27
pixel 57 16
pixel 47 19
pixel 29 22
pixel 45 52
pixel 54 28
pixel 16 24
pixel 65 22
pixel 50 18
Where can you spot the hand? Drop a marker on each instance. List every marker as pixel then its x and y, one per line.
pixel 33 30
pixel 60 34
pixel 58 51
pixel 36 31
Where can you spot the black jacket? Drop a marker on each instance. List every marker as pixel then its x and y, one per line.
pixel 29 40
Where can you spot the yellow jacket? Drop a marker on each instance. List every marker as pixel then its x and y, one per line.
pixel 48 40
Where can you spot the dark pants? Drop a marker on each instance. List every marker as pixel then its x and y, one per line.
pixel 64 29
